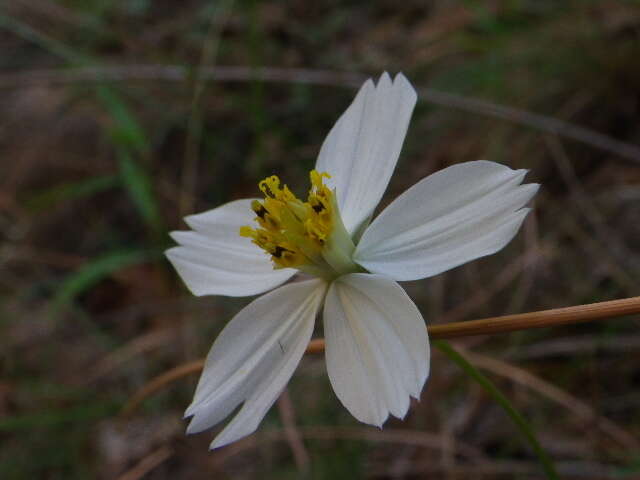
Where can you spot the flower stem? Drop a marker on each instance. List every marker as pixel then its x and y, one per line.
pixel 486 326
pixel 517 418
pixel 524 321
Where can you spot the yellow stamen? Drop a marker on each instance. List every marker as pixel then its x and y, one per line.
pixel 293 232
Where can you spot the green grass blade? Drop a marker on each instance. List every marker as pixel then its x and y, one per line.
pixel 131 142
pixel 94 271
pixel 45 42
pixel 69 191
pixel 126 130
pixel 523 426
pixel 138 185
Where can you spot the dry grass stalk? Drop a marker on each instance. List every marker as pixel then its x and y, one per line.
pixel 486 326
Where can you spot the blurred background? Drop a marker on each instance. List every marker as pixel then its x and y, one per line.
pixel 117 118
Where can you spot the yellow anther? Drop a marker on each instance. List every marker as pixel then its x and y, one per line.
pixel 316 178
pixel 246 231
pixel 293 232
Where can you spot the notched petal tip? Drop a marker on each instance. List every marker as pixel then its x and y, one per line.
pixel 170 252
pixel 191 430
pixel 190 411
pixel 181 236
pixel 400 77
pixel 537 187
pixel 217 444
pixel 384 80
pixel 401 82
pixel 366 87
pixel 381 423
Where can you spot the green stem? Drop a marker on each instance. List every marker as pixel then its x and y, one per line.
pixel 525 429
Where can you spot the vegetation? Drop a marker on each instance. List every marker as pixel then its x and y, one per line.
pixel 119 118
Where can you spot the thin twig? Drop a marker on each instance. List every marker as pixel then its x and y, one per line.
pixel 160 382
pixel 137 346
pixel 555 394
pixel 525 321
pixel 543 123
pixel 532 243
pixel 587 207
pixel 594 247
pixel 388 435
pixel 194 126
pixel 176 73
pixel 484 293
pixel 291 431
pixel 542 319
pixel 486 326
pixel 147 464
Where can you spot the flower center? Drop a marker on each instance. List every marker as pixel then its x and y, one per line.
pixel 309 236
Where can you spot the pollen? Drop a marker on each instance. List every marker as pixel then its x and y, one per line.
pixel 293 232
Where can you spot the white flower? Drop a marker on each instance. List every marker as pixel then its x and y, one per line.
pixel 377 349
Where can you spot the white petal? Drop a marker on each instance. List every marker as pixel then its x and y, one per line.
pixel 361 150
pixel 215 260
pixel 253 358
pixel 456 215
pixel 377 347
